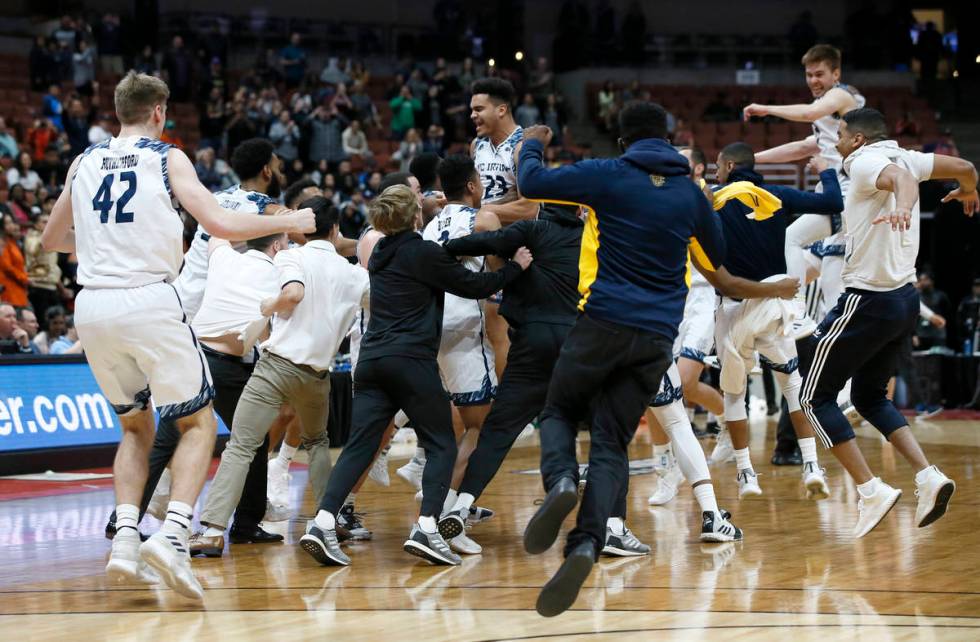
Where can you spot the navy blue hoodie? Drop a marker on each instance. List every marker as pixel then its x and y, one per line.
pixel 645 210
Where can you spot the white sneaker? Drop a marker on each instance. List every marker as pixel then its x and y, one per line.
pixel 815 481
pixel 463 544
pixel 871 510
pixel 724 450
pixel 274 513
pixel 667 482
pixel 800 328
pixel 748 484
pixel 379 469
pixel 934 494
pixel 170 557
pixel 277 487
pixel 125 565
pixel 411 473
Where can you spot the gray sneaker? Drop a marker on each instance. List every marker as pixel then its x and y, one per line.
pixel 452 523
pixel 625 545
pixel 322 545
pixel 431 547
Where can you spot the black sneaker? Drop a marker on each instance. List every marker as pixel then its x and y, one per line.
pixel 351 521
pixel 543 528
pixel 479 514
pixel 715 527
pixel 558 595
pixel 322 545
pixel 782 458
pixel 452 523
pixel 431 547
pixel 625 545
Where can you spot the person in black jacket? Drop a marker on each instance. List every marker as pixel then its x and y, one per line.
pixel 540 310
pixel 397 369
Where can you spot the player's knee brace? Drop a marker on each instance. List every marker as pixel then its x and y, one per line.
pixel 687 450
pixel 735 406
pixel 790 385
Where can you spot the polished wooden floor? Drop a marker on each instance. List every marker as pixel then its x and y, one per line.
pixel 797 574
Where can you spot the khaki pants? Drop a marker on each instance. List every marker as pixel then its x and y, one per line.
pixel 274 382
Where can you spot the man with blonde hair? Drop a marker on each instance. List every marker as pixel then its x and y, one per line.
pixel 121 198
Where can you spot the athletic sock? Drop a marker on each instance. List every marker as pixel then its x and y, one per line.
pixel 127 516
pixel 742 459
pixel 427 523
pixel 616 525
pixel 178 520
pixel 286 453
pixel 705 494
pixel 808 448
pixel 325 520
pixel 463 502
pixel 659 450
pixel 450 501
pixel 868 488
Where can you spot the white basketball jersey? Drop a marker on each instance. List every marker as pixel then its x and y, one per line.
pixel 194 274
pixel 453 222
pixel 496 166
pixel 825 129
pixel 128 233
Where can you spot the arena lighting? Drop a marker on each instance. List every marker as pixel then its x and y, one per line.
pixel 956 73
pixel 519 56
pixel 978 60
pixel 491 62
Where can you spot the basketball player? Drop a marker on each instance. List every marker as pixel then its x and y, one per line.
pixel 128 238
pixel 831 100
pixel 495 150
pixel 860 339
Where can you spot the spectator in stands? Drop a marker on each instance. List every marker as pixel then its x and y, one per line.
pixel 906 125
pixel 435 140
pixel 467 74
pixel 67 343
pixel 292 58
pixel 77 123
pixel 528 113
pixel 372 186
pixel 554 118
pixel 170 135
pixel 683 136
pixel 285 135
pixel 8 144
pixel 100 130
pixel 108 40
pixel 607 105
pixel 345 181
pixel 17 206
pixel 83 69
pixel 55 326
pixel 355 142
pixel 353 215
pixel 40 136
pixel 213 118
pixel 41 65
pixel 364 108
pixel 53 167
pixel 239 127
pixel 409 148
pixel 326 135
pixel 632 92
pixel 27 321
pixel 51 106
pixel 332 74
pixel 359 73
pixel 22 174
pixel 214 79
pixel 178 63
pixel 943 145
pixel 719 111
pixel 342 102
pixel 968 316
pixel 541 81
pixel 43 271
pixel 930 334
pixel 802 35
pixel 13 275
pixel 207 172
pixel 146 62
pixel 403 107
pixel 13 338
pixel 433 106
pixel 65 33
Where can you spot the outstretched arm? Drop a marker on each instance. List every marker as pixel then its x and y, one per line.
pixel 789 152
pixel 834 101
pixel 503 242
pixel 738 288
pixel 965 173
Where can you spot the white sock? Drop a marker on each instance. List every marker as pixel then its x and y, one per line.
pixel 178 520
pixel 447 505
pixel 868 488
pixel 705 494
pixel 286 453
pixel 127 516
pixel 463 502
pixel 742 459
pixel 427 523
pixel 401 419
pixel 616 525
pixel 325 520
pixel 920 477
pixel 659 450
pixel 213 531
pixel 808 448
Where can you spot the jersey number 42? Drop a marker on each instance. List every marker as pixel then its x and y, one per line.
pixel 102 203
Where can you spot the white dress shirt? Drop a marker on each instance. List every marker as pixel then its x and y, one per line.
pixel 334 290
pixel 236 285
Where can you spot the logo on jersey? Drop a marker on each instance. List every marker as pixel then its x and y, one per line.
pixel 657 180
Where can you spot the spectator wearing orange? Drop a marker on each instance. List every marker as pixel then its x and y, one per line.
pixel 13 275
pixel 169 135
pixel 42 134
